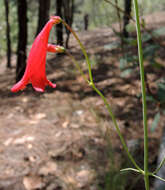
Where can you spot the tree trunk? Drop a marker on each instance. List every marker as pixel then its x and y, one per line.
pixel 59 27
pixel 126 18
pixel 22 39
pixel 68 15
pixel 86 21
pixel 43 14
pixel 6 3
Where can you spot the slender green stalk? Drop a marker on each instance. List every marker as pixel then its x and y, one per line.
pixel 116 126
pixel 143 89
pixel 82 48
pixel 153 175
pixel 160 165
pixel 129 169
pixel 110 113
pixel 104 99
pixel 78 67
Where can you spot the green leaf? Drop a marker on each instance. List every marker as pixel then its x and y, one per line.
pixel 126 72
pixel 149 51
pixel 156 65
pixel 130 169
pixel 131 41
pixel 150 98
pixel 159 32
pixel 131 27
pixel 161 91
pixel 123 63
pixel 146 37
pixel 112 45
pixel 128 61
pixel 155 122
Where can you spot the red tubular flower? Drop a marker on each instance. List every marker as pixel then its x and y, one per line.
pixel 35 72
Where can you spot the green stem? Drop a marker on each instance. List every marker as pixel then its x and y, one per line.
pixel 78 67
pixel 160 165
pixel 103 98
pixel 143 89
pixel 153 175
pixel 82 48
pixel 129 169
pixel 116 126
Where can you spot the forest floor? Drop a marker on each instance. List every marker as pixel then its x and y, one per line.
pixel 64 139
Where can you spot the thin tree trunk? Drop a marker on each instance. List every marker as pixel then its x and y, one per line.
pixel 68 14
pixel 86 21
pixel 22 39
pixel 6 3
pixel 127 16
pixel 59 27
pixel 43 14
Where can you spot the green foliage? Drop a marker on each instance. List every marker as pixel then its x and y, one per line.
pixel 103 14
pixel 130 41
pixel 155 122
pixel 161 91
pixel 13 24
pixel 146 37
pixel 32 22
pixel 159 32
pixel 150 6
pixel 161 98
pixel 2 29
pixel 127 64
pixel 129 60
pixel 131 27
pixel 149 51
pixel 94 61
pixel 112 46
pixel 100 14
pixel 114 180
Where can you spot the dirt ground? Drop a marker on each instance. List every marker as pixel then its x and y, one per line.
pixel 63 139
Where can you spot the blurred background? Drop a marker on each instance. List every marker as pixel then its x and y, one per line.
pixel 22 21
pixel 63 139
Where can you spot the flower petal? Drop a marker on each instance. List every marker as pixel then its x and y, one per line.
pixel 19 86
pixel 38 84
pixel 38 89
pixel 51 84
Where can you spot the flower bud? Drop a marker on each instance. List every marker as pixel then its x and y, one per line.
pixel 60 49
pixel 55 48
